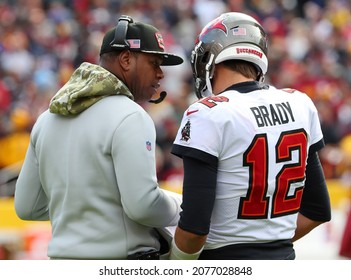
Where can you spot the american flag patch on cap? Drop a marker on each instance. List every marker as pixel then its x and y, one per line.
pixel 134 43
pixel 239 31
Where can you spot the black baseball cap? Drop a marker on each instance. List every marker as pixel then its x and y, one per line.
pixel 139 37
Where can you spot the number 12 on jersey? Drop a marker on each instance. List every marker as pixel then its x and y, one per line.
pixel 255 205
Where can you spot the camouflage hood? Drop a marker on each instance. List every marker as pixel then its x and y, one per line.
pixel 88 84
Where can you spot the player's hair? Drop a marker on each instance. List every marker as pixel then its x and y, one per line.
pixel 245 68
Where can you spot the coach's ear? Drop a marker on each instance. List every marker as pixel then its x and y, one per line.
pixel 126 60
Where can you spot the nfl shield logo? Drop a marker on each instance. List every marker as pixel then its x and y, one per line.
pixel 148 145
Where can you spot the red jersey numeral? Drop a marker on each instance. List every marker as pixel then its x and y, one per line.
pixel 212 101
pixel 255 204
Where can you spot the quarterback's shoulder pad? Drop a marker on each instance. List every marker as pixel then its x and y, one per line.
pixel 292 91
pixel 205 106
pixel 211 101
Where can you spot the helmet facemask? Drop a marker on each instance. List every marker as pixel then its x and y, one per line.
pixel 202 62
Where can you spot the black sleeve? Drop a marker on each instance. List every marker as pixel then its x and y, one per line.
pixel 316 147
pixel 199 191
pixel 181 151
pixel 315 203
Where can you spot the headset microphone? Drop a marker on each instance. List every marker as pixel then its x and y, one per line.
pixel 163 95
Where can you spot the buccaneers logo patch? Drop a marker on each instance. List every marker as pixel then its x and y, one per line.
pixel 159 39
pixel 186 132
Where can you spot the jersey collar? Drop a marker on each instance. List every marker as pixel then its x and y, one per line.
pixel 246 87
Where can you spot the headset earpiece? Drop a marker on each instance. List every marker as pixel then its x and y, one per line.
pixel 120 42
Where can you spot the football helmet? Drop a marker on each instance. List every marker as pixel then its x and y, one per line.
pixel 230 36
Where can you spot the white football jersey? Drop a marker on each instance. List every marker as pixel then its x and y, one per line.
pixel 261 139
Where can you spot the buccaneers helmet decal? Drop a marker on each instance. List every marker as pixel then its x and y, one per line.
pixel 214 24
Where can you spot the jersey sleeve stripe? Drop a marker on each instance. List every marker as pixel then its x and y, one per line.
pixel 181 151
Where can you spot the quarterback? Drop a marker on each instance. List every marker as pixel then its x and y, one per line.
pixel 253 182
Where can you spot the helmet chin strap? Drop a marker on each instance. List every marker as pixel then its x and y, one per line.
pixel 260 78
pixel 207 91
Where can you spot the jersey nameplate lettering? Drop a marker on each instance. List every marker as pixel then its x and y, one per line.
pixel 274 114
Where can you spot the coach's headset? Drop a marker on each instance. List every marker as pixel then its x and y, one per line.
pixel 120 42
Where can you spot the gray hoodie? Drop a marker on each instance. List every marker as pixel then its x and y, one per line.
pixel 90 169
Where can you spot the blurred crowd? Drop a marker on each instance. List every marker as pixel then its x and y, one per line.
pixel 43 41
